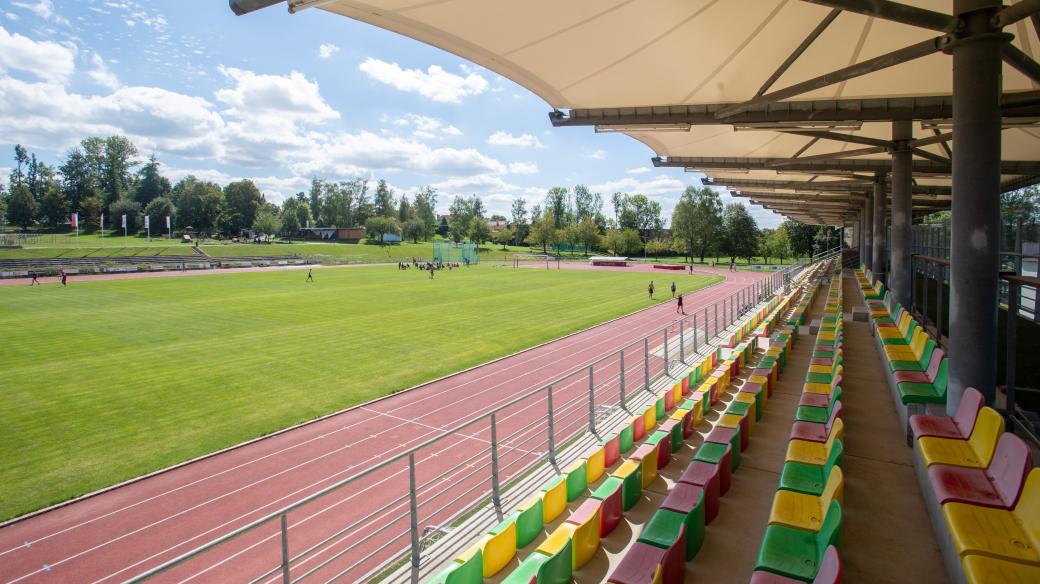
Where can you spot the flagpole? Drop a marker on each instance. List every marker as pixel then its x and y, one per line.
pixel 102 230
pixel 148 225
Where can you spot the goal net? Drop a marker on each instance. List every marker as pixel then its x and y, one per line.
pixel 448 251
pixel 531 259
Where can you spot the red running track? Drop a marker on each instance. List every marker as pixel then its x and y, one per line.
pixel 120 533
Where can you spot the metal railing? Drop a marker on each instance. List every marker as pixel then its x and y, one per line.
pixel 360 525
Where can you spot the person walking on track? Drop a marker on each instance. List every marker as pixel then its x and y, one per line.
pixel 650 289
pixel 310 274
pixel 679 307
pixel 673 289
pixel 34 280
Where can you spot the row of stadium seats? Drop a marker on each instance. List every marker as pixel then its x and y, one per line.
pixel 806 516
pixel 982 491
pixel 916 366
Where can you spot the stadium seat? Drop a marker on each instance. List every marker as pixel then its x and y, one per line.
pixel 638 426
pixel 688 500
pixel 666 530
pixel 730 420
pixel 997 486
pixel 577 479
pixel 647 564
pixel 584 524
pixel 626 437
pixel 984 569
pixel 958 427
pixel 595 464
pixel 649 418
pixel 554 498
pixel 1011 534
pixel 706 476
pixel 717 454
pixel 646 456
pixel 559 564
pixel 745 410
pixel 631 482
pixel 819 400
pixel 529 521
pixel 815 453
pixel 663 441
pixel 799 554
pixel 829 572
pixel 817 415
pixel 810 479
pixel 974 452
pixel 685 426
pixel 930 391
pixel 611 508
pixel 752 400
pixel 467 568
pixel 674 428
pixel 499 546
pixel 814 432
pixel 803 511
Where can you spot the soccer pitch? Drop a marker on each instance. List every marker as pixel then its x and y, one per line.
pixel 108 380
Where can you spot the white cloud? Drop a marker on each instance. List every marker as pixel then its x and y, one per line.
pixel 44 9
pixel 46 60
pixel 639 170
pixel 660 187
pixel 426 127
pixel 326 50
pixel 275 189
pixel 435 83
pixel 101 74
pixel 523 168
pixel 10 16
pixel 291 97
pixel 598 154
pixel 501 138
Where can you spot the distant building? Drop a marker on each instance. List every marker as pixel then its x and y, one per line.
pixel 341 234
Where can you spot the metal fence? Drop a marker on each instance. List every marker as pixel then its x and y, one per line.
pixel 373 519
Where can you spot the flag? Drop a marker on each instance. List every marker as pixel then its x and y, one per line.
pixel 123 225
pixel 167 221
pixel 147 222
pixel 75 220
pixel 102 221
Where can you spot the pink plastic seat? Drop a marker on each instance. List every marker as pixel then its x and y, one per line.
pixel 705 475
pixel 821 361
pixel 923 376
pixel 641 563
pixel 958 427
pixel 997 486
pixel 724 435
pixel 814 400
pixel 829 572
pixel 611 451
pixel 812 432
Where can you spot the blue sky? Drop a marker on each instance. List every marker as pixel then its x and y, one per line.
pixel 283 98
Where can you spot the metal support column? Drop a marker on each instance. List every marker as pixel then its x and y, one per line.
pixel 646 364
pixel 592 402
pixel 285 549
pixel 975 237
pixel 868 232
pixel 878 253
pixel 495 486
pixel 682 343
pixel 413 505
pixel 665 333
pixel 902 206
pixel 549 426
pixel 1012 349
pixel 695 351
pixel 621 377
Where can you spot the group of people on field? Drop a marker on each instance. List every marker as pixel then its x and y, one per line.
pixel 36 282
pixel 678 297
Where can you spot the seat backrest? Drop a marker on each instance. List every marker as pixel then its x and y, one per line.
pixel 983 440
pixel 833 489
pixel 935 363
pixel 837 430
pixel 830 531
pixel 1010 465
pixel 968 410
pixel 926 353
pixel 942 377
pixel 1028 508
pixel 909 335
pixel 917 342
pixel 829 571
pixel 834 458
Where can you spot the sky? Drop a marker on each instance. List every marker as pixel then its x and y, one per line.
pixel 283 99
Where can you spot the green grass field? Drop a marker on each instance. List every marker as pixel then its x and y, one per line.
pixel 107 380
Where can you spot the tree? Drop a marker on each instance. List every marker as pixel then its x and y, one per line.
pixel 656 247
pixel 376 227
pixel 425 205
pixel 519 219
pixel 111 161
pixel 404 210
pixel 556 203
pixel 77 182
pixel 383 200
pixel 775 243
pixel 684 223
pixel 159 209
pixel 413 229
pixel 741 232
pixel 266 222
pixel 198 203
pixel 132 210
pixel 21 159
pixel 623 242
pixel 150 184
pixel 479 231
pixel 505 236
pixel 498 217
pixel 54 206
pixel 587 232
pixel 293 210
pixel 543 231
pixel 242 200
pixel 90 211
pixel 21 206
pixel 459 216
pixel 584 203
pixel 801 237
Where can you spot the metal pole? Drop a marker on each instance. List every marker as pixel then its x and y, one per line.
pixel 495 493
pixel 878 255
pixel 592 402
pixel 682 343
pixel 940 292
pixel 665 332
pixel 285 549
pixel 414 509
pixel 695 351
pixel 549 425
pixel 715 329
pixel 706 337
pixel 621 356
pixel 1012 349
pixel 646 363
pixel 868 258
pixel 975 261
pixel 901 279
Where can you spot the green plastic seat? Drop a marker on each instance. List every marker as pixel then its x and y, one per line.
pixel 577 480
pixel 919 365
pixel 660 410
pixel 816 415
pixel 795 553
pixel 663 529
pixel 529 522
pixel 810 479
pixel 470 571
pixel 926 393
pixel 625 439
pixel 739 408
pixel 711 452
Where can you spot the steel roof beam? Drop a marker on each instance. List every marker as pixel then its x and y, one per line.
pixel 839 137
pixel 816 32
pixel 873 165
pixel 857 188
pixel 1016 12
pixel 896 12
pixel 1022 62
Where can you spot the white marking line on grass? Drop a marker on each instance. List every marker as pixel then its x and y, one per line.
pixel 706 298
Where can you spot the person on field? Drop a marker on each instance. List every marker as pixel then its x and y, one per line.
pixel 310 275
pixel 679 307
pixel 650 289
pixel 732 265
pixel 34 280
pixel 64 278
pixel 673 289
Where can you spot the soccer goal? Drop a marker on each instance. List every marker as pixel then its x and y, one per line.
pixel 531 259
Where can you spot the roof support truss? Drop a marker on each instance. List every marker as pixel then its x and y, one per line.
pixel 1016 12
pixel 839 137
pixel 846 187
pixel 816 32
pixel 896 12
pixel 1021 62
pixel 870 165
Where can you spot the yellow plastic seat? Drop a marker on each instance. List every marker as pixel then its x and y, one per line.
pixel 730 421
pixel 556 541
pixel 815 453
pixel 649 419
pixel 824 388
pixel 806 512
pixel 984 569
pixel 999 533
pixel 975 452
pixel 821 369
pixel 554 500
pixel 499 547
pixel 646 455
pixel 595 464
pixel 584 538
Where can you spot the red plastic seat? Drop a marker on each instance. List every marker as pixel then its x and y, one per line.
pixel 638 428
pixel 997 486
pixel 724 435
pixel 812 432
pixel 821 361
pixel 829 572
pixel 814 400
pixel 611 451
pixel 923 376
pixel 958 427
pixel 640 565
pixel 682 498
pixel 705 475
